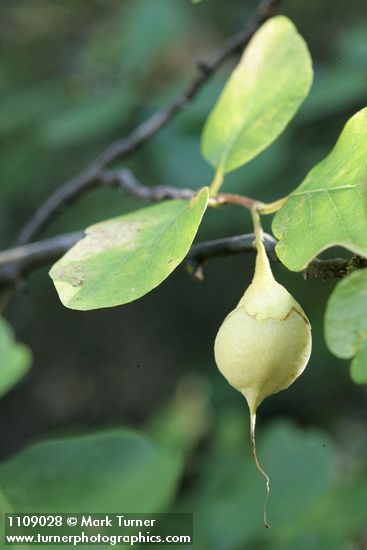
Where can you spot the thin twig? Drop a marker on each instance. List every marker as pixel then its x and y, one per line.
pixel 125 180
pixel 30 256
pixel 229 246
pixel 17 262
pixel 92 175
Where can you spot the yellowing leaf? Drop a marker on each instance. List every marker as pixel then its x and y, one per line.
pixel 123 258
pixel 262 95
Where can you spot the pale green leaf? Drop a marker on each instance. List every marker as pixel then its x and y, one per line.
pixel 346 323
pixel 262 95
pixel 358 367
pixel 15 359
pixel 329 208
pixel 114 471
pixel 123 258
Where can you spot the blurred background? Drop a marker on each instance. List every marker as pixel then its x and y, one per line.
pixel 73 77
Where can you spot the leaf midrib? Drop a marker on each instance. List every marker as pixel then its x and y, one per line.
pixel 327 189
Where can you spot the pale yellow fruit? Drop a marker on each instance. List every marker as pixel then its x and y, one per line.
pixel 264 344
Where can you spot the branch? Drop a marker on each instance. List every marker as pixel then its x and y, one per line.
pixel 93 174
pixel 125 180
pixel 200 253
pixel 336 268
pixel 17 262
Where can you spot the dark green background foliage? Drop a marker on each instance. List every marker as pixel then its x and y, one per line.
pixel 76 75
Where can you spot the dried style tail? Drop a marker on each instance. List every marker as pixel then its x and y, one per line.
pixel 267 480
